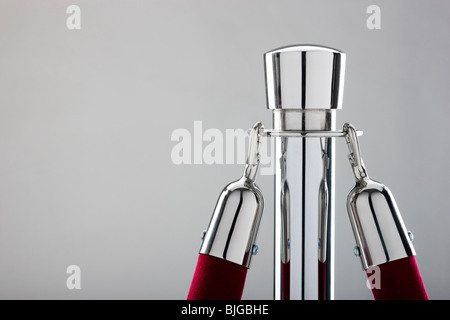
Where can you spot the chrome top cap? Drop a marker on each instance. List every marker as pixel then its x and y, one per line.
pixel 304 77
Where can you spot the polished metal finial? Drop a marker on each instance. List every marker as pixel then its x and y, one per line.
pixel 304 77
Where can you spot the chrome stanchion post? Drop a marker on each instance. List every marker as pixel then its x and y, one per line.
pixel 304 86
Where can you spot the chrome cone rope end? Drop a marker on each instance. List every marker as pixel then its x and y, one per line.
pixel 235 222
pixel 380 234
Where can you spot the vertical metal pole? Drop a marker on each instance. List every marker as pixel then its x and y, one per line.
pixel 304 88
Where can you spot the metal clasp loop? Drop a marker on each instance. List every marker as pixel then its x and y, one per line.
pixel 351 137
pixel 254 146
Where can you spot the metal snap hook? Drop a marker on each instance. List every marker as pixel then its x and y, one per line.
pixel 254 147
pixel 351 137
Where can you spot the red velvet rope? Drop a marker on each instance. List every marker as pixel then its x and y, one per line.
pixel 217 279
pixel 399 280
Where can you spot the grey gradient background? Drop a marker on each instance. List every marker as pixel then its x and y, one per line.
pixel 86 117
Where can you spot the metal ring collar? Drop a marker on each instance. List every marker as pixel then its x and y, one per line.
pixel 307 134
